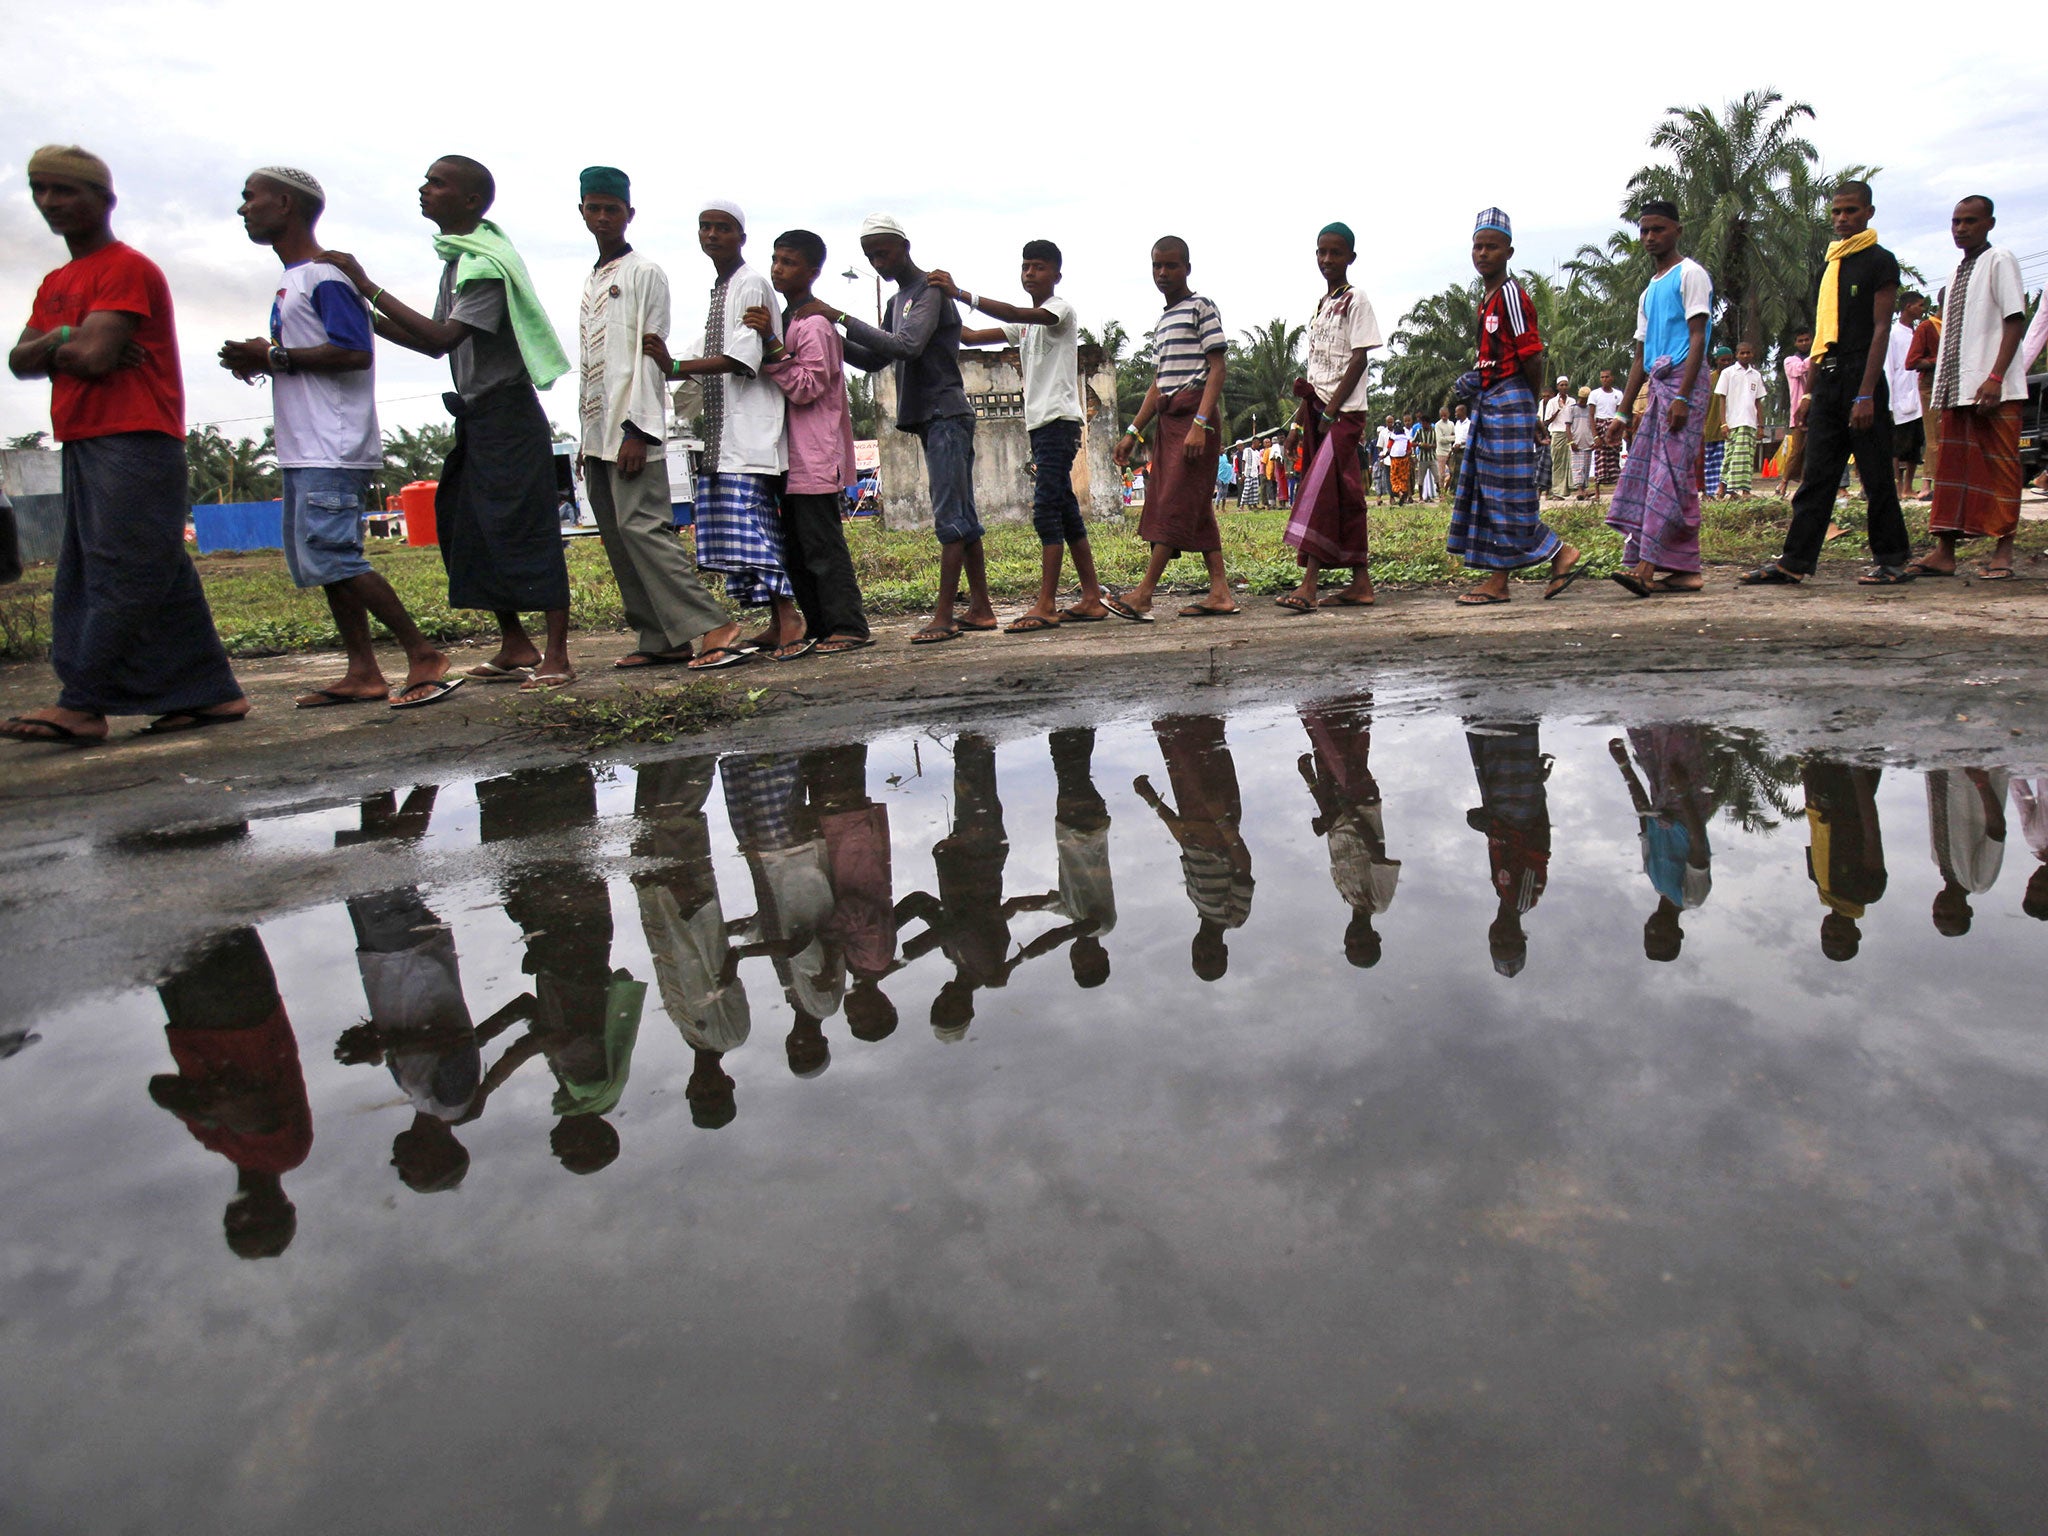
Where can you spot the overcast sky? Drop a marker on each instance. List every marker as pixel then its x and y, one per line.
pixel 1094 135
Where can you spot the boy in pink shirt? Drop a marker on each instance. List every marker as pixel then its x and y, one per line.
pixel 809 366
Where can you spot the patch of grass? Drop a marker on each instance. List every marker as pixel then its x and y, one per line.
pixel 653 715
pixel 260 613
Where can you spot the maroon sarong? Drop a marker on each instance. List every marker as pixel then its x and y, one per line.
pixel 1329 521
pixel 1180 498
pixel 1977 473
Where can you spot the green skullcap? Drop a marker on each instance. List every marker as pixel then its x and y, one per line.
pixel 607 181
pixel 1350 240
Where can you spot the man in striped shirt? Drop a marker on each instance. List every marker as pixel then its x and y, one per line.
pixel 1180 514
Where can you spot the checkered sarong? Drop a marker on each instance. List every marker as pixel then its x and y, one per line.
pixel 1977 473
pixel 1712 464
pixel 761 799
pixel 739 535
pixel 1738 465
pixel 1496 524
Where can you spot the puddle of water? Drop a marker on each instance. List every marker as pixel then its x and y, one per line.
pixel 1204 1125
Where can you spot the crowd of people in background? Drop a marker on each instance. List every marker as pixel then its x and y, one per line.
pixel 1879 380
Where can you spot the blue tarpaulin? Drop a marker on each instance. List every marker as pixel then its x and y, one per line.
pixel 239 525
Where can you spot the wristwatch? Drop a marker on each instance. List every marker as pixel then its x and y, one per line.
pixel 280 360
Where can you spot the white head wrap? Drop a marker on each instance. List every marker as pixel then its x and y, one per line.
pixel 299 181
pixel 883 224
pixel 726 206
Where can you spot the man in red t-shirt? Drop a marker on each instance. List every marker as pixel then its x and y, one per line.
pixel 130 630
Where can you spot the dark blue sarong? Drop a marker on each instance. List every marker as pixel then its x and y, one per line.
pixel 130 632
pixel 501 535
pixel 1497 524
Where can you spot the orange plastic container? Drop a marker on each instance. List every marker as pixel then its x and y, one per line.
pixel 416 500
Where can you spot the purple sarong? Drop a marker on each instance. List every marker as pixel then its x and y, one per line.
pixel 1657 502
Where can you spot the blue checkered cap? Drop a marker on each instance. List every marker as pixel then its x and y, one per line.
pixel 1493 218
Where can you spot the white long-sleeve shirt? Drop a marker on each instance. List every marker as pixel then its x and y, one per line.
pixel 623 301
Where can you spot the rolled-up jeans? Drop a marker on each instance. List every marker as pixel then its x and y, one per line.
pixel 949 472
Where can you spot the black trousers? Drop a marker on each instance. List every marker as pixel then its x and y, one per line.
pixel 1830 444
pixel 820 567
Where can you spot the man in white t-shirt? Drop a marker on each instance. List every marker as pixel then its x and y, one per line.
pixel 1741 388
pixel 1330 529
pixel 1046 335
pixel 319 359
pixel 1909 430
pixel 1606 404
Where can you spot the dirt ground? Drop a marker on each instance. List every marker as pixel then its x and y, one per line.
pixel 1727 650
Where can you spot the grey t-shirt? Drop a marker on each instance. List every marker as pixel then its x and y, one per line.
pixel 488 357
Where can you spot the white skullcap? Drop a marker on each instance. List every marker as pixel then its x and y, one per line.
pixel 727 206
pixel 883 224
pixel 297 180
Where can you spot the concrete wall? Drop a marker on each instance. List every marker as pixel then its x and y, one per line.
pixel 33 479
pixel 1002 448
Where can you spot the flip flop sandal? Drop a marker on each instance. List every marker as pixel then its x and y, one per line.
pixel 1076 616
pixel 795 652
pixel 839 645
pixel 1125 611
pixel 1030 624
pixel 491 672
pixel 720 656
pixel 935 636
pixel 1292 604
pixel 327 698
pixel 1919 568
pixel 1481 599
pixel 542 682
pixel 438 688
pixel 1562 582
pixel 179 721
pixel 1884 576
pixel 649 659
pixel 62 735
pixel 1769 574
pixel 1344 600
pixel 1995 573
pixel 1627 580
pixel 969 626
pixel 1204 611
pixel 1665 589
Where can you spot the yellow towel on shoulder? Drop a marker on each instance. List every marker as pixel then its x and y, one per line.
pixel 1827 312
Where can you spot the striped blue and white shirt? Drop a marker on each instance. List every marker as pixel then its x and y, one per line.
pixel 1182 341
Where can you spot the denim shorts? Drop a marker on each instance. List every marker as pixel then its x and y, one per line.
pixel 323 524
pixel 1055 510
pixel 949 471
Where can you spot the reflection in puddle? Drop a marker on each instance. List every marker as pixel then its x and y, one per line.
pixel 1356 1184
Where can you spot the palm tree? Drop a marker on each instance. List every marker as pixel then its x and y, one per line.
pixel 1133 369
pixel 217 470
pixel 1259 381
pixel 1431 346
pixel 860 403
pixel 414 454
pixel 1732 178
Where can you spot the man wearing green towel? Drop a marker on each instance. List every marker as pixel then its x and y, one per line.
pixel 500 540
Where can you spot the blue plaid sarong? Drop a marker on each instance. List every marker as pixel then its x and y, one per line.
pixel 739 535
pixel 761 799
pixel 1496 524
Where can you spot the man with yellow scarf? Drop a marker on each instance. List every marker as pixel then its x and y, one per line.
pixel 1847 411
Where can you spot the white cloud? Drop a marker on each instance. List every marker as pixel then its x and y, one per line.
pixel 1099 126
